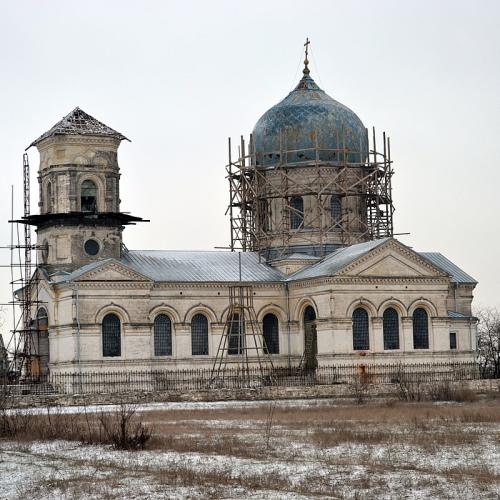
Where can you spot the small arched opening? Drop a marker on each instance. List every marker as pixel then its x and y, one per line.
pixel 88 196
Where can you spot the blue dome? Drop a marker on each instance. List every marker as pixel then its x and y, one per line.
pixel 305 112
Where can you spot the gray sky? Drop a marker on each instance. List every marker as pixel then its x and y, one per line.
pixel 178 78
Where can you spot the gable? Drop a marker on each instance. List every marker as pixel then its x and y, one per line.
pixel 112 271
pixel 392 260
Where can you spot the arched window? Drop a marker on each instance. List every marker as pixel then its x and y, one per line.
pixel 236 335
pixel 162 333
pixel 420 329
pixel 199 335
pixel 42 320
pixel 360 331
pixel 336 208
pixel 88 197
pixel 111 338
pixel 48 201
pixel 391 329
pixel 270 329
pixel 296 212
pixel 310 339
pixel 42 335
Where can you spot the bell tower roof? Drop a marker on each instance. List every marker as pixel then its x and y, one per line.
pixel 79 123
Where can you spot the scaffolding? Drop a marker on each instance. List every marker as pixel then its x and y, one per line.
pixel 260 195
pixel 242 346
pixel 23 346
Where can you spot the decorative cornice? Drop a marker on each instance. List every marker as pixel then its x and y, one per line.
pixel 332 280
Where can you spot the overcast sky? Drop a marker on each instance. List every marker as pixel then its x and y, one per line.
pixel 178 78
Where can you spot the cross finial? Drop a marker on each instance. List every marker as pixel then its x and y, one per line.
pixel 306 61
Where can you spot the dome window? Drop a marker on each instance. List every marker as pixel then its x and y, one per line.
pixel 296 212
pixel 336 208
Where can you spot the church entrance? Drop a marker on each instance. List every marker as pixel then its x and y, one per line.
pixel 310 361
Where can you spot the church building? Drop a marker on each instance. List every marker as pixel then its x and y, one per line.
pixel 311 211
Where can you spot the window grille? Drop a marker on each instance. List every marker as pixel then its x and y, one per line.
pixel 270 328
pixel 236 335
pixel 453 340
pixel 111 339
pixel 336 208
pixel 88 197
pixel 199 335
pixel 296 212
pixel 391 329
pixel 162 332
pixel 360 331
pixel 420 329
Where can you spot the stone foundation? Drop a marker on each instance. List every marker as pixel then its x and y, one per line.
pixel 341 391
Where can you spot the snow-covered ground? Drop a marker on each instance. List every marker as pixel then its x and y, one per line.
pixel 310 449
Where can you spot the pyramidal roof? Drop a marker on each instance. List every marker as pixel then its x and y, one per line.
pixel 79 123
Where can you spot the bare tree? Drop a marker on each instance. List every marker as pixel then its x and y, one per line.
pixel 488 340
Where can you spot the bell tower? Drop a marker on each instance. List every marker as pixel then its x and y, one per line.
pixel 79 218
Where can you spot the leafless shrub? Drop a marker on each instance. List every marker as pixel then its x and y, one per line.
pixel 122 430
pixel 409 386
pixel 447 391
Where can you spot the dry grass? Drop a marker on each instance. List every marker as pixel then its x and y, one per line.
pixel 379 440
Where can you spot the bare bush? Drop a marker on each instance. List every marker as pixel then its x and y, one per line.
pixel 122 430
pixel 447 391
pixel 409 385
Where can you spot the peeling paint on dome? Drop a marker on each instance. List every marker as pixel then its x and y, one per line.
pixel 305 116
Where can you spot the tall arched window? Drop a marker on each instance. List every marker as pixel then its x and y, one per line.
pixel 296 212
pixel 48 201
pixel 162 335
pixel 236 335
pixel 88 196
pixel 336 208
pixel 310 339
pixel 420 329
pixel 42 335
pixel 391 329
pixel 264 215
pixel 199 335
pixel 270 329
pixel 360 330
pixel 111 338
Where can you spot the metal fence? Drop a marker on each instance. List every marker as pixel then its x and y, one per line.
pixel 231 378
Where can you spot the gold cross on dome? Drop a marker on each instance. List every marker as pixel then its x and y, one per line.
pixel 306 61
